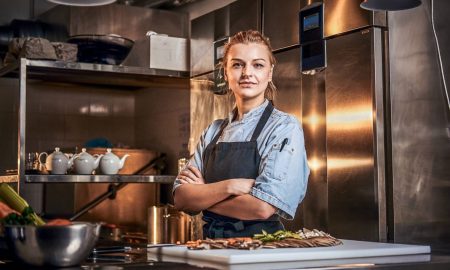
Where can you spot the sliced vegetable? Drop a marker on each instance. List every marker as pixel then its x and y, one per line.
pixel 276 236
pixel 13 200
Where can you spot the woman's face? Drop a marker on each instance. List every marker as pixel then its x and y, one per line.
pixel 248 71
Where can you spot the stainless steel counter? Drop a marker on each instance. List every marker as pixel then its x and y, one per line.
pixel 139 260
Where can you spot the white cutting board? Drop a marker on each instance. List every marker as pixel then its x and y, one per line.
pixel 349 249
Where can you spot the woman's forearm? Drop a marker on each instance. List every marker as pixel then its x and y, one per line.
pixel 198 197
pixel 244 207
pixel 192 197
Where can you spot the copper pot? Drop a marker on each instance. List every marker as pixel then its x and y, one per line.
pixel 167 225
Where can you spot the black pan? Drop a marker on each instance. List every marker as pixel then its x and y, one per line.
pixel 102 49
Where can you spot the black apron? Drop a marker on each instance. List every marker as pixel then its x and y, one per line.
pixel 226 160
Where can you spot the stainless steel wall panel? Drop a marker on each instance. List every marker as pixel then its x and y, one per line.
pixel 344 16
pixel 280 22
pixel 380 133
pixel 202 50
pixel 287 78
pixel 245 15
pixel 204 31
pixel 420 137
pixel 442 26
pixel 315 204
pixel 352 188
pixel 205 106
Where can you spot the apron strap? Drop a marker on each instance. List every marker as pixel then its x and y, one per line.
pixel 222 127
pixel 262 121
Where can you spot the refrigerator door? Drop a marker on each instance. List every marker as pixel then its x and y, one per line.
pixel 345 104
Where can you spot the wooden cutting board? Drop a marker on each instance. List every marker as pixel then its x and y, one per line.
pixel 350 249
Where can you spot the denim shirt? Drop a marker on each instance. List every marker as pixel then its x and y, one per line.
pixel 283 171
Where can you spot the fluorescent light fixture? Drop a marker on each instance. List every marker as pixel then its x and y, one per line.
pixel 390 5
pixel 82 3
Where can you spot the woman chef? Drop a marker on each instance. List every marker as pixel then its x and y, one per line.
pixel 250 168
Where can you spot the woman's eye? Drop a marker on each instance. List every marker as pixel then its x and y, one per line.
pixel 258 65
pixel 236 65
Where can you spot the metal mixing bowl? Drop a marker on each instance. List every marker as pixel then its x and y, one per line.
pixel 52 245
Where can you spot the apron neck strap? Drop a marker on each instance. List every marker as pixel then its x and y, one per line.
pixel 222 127
pixel 262 121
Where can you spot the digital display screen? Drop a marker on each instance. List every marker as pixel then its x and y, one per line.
pixel 311 22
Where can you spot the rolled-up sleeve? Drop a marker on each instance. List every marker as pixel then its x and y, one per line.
pixel 283 173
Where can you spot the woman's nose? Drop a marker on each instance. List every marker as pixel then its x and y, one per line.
pixel 246 71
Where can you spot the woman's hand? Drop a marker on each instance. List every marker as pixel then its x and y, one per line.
pixel 240 186
pixel 191 175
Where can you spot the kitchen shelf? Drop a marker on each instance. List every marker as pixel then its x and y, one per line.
pixel 157 179
pixel 126 77
pixel 9 179
pixel 88 73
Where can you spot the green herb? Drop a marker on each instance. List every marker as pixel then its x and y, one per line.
pixel 15 219
pixel 276 236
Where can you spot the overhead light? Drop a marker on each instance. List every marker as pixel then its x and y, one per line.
pixel 82 3
pixel 390 5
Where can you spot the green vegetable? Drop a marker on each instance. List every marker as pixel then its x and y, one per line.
pixel 13 200
pixel 276 236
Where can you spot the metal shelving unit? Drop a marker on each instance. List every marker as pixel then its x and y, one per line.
pixel 84 73
pixel 117 178
pixel 9 179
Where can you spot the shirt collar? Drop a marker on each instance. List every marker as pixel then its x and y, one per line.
pixel 257 111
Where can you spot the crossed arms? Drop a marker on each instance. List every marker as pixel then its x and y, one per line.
pixel 228 197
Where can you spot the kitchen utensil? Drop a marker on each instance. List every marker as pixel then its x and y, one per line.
pixel 102 49
pixel 52 245
pixel 157 224
pixel 111 249
pixel 136 163
pixel 57 162
pixel 31 161
pixel 165 224
pixel 110 163
pixel 85 163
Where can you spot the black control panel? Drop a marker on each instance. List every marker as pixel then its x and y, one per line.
pixel 313 44
pixel 220 85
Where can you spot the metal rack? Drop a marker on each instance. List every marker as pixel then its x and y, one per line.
pixel 83 73
pixel 117 178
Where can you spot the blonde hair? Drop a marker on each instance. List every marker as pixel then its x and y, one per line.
pixel 246 37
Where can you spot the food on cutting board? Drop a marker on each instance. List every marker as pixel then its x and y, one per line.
pixel 14 210
pixel 232 243
pixel 301 238
pixel 280 239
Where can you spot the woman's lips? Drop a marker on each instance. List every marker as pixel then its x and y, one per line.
pixel 246 84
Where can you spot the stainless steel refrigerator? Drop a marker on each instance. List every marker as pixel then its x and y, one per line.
pixel 348 106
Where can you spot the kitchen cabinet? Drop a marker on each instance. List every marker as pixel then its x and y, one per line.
pixel 116 77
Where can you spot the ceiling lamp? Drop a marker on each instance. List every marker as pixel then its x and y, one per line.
pixel 82 3
pixel 390 5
